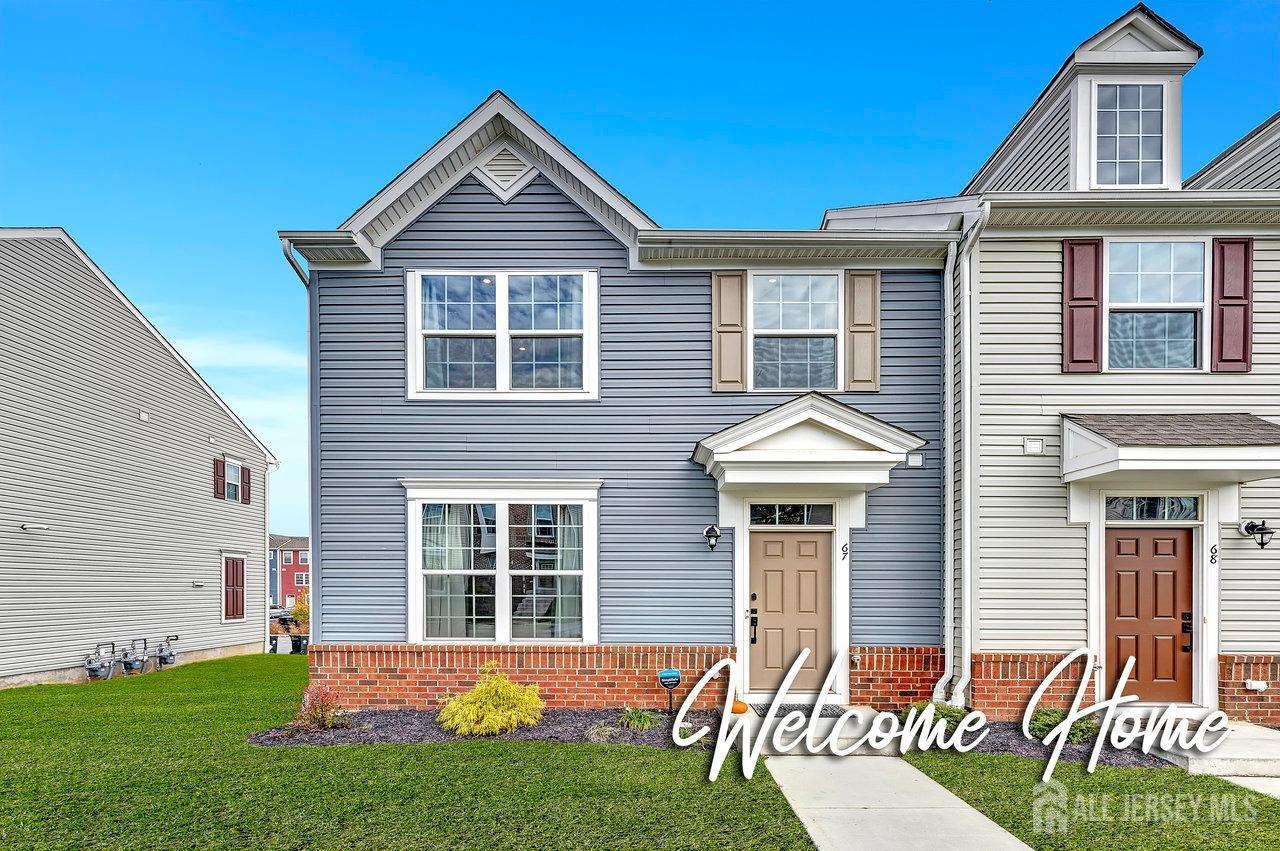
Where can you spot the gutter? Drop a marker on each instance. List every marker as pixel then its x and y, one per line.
pixel 967 408
pixel 948 533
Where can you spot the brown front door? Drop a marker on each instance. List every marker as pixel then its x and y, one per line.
pixel 791 594
pixel 1149 598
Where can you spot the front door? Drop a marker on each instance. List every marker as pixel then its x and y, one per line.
pixel 791 597
pixel 1149 612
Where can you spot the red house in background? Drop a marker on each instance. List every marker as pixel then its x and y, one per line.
pixel 290 564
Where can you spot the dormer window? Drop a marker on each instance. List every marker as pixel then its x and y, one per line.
pixel 1129 134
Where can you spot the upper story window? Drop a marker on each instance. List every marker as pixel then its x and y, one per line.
pixel 502 335
pixel 302 579
pixel 1129 134
pixel 233 480
pixel 795 326
pixel 304 556
pixel 288 556
pixel 1155 305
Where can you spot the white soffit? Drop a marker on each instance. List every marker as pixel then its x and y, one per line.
pixel 812 442
pixel 1088 456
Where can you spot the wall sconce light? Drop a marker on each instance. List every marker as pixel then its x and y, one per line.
pixel 1259 531
pixel 712 533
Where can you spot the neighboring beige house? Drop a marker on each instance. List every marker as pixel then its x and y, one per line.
pixel 1116 375
pixel 133 501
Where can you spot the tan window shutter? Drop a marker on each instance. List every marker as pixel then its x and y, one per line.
pixel 729 331
pixel 862 330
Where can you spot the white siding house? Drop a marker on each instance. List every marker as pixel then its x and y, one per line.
pixel 110 445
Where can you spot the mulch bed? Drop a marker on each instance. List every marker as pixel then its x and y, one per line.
pixel 1005 737
pixel 418 726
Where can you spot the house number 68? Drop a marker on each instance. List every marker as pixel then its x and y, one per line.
pixel 1213 554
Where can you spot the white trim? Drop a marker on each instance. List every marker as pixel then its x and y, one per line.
pixel 227 464
pixel 302 580
pixel 223 555
pixel 286 557
pixel 502 333
pixel 1204 323
pixel 497 105
pixel 850 513
pixel 836 333
pixel 1206 570
pixel 1088 456
pixel 522 180
pixel 502 493
pixel 60 234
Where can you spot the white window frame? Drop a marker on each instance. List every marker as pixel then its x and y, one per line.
pixel 223 555
pixel 302 579
pixel 1166 126
pixel 502 493
pixel 415 368
pixel 304 556
pixel 288 556
pixel 1204 326
pixel 774 332
pixel 227 463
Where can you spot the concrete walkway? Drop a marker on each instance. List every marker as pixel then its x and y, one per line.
pixel 880 802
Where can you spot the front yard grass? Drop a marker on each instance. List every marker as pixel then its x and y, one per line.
pixel 1003 787
pixel 161 761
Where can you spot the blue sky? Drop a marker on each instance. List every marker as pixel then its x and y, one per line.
pixel 173 139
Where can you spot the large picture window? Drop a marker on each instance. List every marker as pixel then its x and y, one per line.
pixel 795 323
pixel 502 334
pixel 1155 305
pixel 507 568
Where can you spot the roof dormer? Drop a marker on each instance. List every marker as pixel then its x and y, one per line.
pixel 1110 119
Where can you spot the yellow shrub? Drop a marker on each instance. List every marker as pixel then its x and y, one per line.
pixel 494 705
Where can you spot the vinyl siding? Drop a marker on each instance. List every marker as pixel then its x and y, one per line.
pixel 657 579
pixel 1254 165
pixel 1032 565
pixel 1042 163
pixel 129 504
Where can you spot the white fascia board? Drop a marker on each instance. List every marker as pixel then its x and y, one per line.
pixel 60 234
pixel 826 479
pixel 497 105
pixel 1193 463
pixel 466 490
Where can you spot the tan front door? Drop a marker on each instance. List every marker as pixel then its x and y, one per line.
pixel 791 596
pixel 1149 599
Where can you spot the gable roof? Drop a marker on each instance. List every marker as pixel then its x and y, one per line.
pixel 1138 39
pixel 496 139
pixel 289 542
pixel 1251 162
pixel 56 233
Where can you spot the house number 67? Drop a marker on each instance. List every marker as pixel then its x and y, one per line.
pixel 1213 554
pixel 844 552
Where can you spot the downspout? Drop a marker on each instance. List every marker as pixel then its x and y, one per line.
pixel 969 454
pixel 287 248
pixel 947 292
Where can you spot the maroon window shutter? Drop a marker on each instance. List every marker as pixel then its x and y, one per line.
pixel 1232 315
pixel 233 588
pixel 1082 305
pixel 219 478
pixel 244 485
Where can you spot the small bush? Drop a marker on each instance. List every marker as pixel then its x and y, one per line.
pixel 494 705
pixel 601 733
pixel 950 715
pixel 301 611
pixel 1044 720
pixel 638 719
pixel 319 710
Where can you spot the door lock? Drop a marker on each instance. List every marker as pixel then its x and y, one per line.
pixel 1187 630
pixel 755 620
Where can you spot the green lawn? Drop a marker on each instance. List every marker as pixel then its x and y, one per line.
pixel 1003 787
pixel 161 761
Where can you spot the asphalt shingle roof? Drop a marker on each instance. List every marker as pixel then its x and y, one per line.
pixel 290 542
pixel 1181 429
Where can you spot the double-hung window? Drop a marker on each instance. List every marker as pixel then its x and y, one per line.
pixel 795 331
pixel 1129 134
pixel 232 485
pixel 515 566
pixel 502 334
pixel 1156 313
